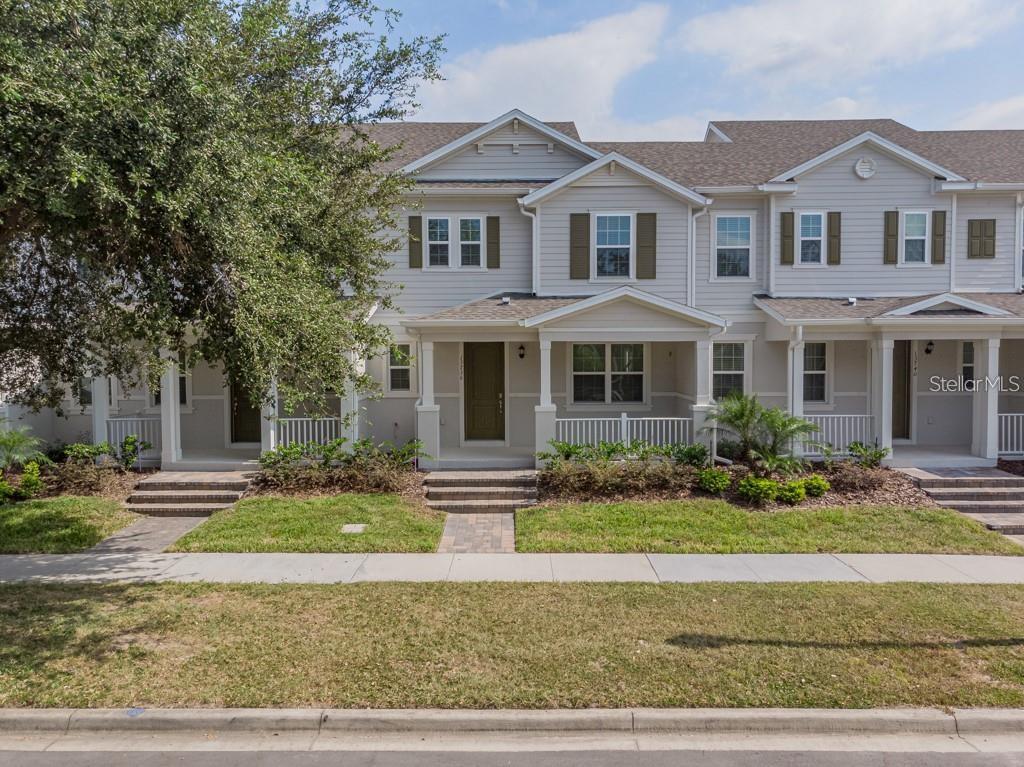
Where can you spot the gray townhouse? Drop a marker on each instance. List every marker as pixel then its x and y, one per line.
pixel 860 273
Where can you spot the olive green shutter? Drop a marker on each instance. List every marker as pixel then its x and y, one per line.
pixel 835 236
pixel 891 252
pixel 938 236
pixel 415 242
pixel 579 246
pixel 786 229
pixel 646 246
pixel 493 242
pixel 981 238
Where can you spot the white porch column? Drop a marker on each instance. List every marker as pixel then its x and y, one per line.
pixel 268 422
pixel 100 408
pixel 796 383
pixel 545 413
pixel 985 431
pixel 170 412
pixel 428 413
pixel 702 397
pixel 883 389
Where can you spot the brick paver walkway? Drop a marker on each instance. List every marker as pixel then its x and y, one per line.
pixel 479 534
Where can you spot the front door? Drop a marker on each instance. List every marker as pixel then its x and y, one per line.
pixel 245 418
pixel 484 365
pixel 901 383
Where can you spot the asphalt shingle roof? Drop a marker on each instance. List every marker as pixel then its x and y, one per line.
pixel 521 306
pixel 868 308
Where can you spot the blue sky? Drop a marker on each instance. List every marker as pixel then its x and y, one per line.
pixel 660 70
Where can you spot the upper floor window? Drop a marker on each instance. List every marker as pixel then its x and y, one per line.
pixel 607 373
pixel 614 245
pixel 470 242
pixel 400 368
pixel 811 238
pixel 915 237
pixel 438 242
pixel 728 369
pixel 734 250
pixel 816 372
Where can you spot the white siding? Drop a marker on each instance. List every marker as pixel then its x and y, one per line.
pixel 986 274
pixel 834 187
pixel 731 294
pixel 498 160
pixel 594 197
pixel 425 291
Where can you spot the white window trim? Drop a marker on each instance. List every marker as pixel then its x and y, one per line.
pixel 903 263
pixel 829 402
pixel 748 360
pixel 69 398
pixel 188 407
pixel 454 242
pixel 713 271
pixel 798 240
pixel 593 246
pixel 960 361
pixel 608 405
pixel 412 391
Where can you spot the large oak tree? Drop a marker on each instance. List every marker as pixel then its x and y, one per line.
pixel 191 175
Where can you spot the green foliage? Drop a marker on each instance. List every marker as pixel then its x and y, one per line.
pixel 31 483
pixel 84 452
pixel 7 492
pixel 636 450
pixel 771 464
pixel 714 481
pixel 740 417
pixel 869 456
pixel 365 466
pixel 201 176
pixel 758 434
pixel 607 479
pixel 792 492
pixel 758 491
pixel 131 446
pixel 17 447
pixel 695 454
pixel 847 477
pixel 816 485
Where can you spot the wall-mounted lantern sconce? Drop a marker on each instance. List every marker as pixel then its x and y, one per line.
pixel 522 352
pixel 929 347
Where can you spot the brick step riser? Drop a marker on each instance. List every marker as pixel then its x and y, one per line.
pixel 171 511
pixel 967 507
pixel 966 482
pixel 480 483
pixel 1006 529
pixel 226 498
pixel 945 494
pixel 482 508
pixel 213 487
pixel 482 495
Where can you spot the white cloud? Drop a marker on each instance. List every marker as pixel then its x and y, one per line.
pixel 1006 113
pixel 783 42
pixel 569 76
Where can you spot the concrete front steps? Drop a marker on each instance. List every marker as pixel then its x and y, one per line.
pixel 993 497
pixel 187 493
pixel 479 492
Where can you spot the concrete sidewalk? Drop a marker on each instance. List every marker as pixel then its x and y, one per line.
pixel 558 568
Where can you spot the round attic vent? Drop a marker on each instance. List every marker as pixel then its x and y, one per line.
pixel 864 167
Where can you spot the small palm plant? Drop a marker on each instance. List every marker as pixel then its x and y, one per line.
pixel 780 431
pixel 17 447
pixel 739 416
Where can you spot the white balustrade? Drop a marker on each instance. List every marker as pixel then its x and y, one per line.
pixel 653 431
pixel 1011 433
pixel 301 430
pixel 145 428
pixel 838 431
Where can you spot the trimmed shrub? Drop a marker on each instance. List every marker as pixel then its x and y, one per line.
pixel 868 456
pixel 714 481
pixel 603 478
pixel 695 454
pixel 792 492
pixel 846 477
pixel 365 467
pixel 816 485
pixel 7 493
pixel 759 491
pixel 31 484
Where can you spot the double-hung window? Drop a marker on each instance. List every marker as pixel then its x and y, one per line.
pixel 728 369
pixel 83 392
pixel 438 241
pixel 811 237
pixel 400 368
pixel 967 365
pixel 614 245
pixel 184 386
pixel 734 246
pixel 816 372
pixel 915 237
pixel 470 241
pixel 607 373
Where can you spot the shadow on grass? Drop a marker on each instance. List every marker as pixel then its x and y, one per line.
pixel 27 528
pixel 714 642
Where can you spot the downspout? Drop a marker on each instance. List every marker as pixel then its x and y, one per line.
pixel 1018 229
pixel 691 272
pixel 534 227
pixel 953 248
pixel 772 244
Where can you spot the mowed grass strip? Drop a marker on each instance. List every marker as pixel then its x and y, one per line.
pixel 717 527
pixel 512 645
pixel 59 525
pixel 282 524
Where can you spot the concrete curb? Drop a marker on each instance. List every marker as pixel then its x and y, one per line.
pixel 681 721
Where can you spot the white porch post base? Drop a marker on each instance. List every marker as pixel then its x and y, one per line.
pixel 796 386
pixel 544 419
pixel 985 431
pixel 268 421
pixel 428 431
pixel 699 413
pixel 100 408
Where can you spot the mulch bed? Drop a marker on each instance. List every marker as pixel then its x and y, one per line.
pixel 409 487
pixel 1012 467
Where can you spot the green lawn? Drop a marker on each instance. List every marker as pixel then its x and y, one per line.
pixel 282 524
pixel 511 645
pixel 717 527
pixel 59 525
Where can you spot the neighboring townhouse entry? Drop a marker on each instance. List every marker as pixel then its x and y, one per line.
pixel 902 366
pixel 245 419
pixel 484 390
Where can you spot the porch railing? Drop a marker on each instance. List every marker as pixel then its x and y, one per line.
pixel 653 431
pixel 839 431
pixel 1011 433
pixel 146 428
pixel 319 430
